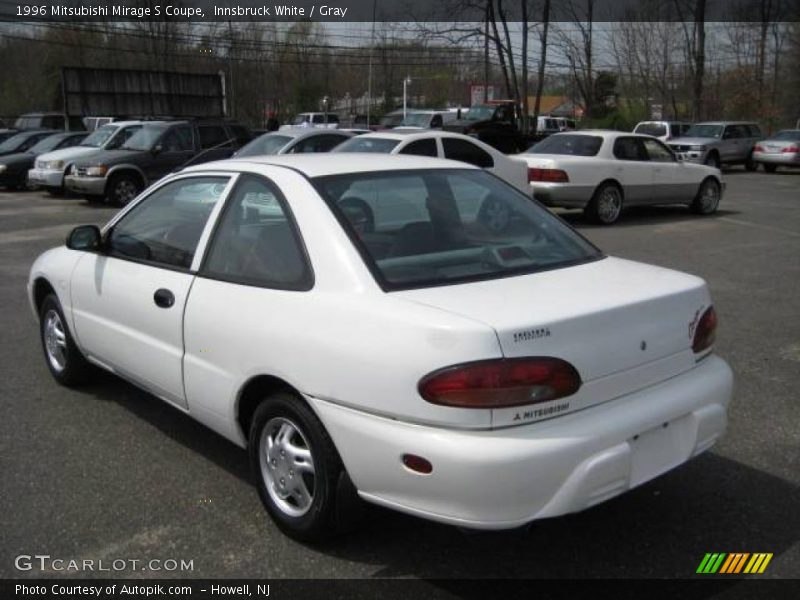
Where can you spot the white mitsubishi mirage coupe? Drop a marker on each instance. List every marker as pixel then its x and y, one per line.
pixel 426 362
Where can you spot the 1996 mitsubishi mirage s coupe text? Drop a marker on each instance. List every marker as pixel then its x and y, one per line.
pixel 353 321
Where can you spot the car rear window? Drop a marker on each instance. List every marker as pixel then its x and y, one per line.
pixel 365 144
pixel 575 145
pixel 423 228
pixel 788 135
pixel 654 129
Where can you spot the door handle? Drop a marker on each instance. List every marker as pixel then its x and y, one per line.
pixel 164 298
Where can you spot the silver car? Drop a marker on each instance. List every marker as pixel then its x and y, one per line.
pixel 781 150
pixel 719 143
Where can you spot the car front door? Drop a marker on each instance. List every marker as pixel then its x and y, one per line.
pixel 671 179
pixel 733 144
pixel 633 170
pixel 128 300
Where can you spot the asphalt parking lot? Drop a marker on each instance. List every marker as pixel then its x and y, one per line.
pixel 110 472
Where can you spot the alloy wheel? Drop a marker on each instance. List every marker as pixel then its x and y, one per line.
pixel 287 466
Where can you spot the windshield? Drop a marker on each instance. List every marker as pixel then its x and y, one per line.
pixel 654 129
pixel 417 120
pixel 422 228
pixel 46 144
pixel 480 113
pixel 572 144
pixel 14 142
pixel 144 139
pixel 269 143
pixel 300 119
pixel 787 135
pixel 704 131
pixel 371 144
pixel 391 120
pixel 99 136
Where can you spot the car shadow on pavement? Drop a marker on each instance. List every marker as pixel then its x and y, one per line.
pixel 660 530
pixel 644 215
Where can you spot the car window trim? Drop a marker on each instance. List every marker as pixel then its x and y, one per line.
pixel 105 231
pixel 202 271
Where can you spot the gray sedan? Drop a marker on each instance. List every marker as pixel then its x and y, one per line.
pixel 781 150
pixel 294 141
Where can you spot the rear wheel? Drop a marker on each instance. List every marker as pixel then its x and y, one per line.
pixel 65 361
pixel 750 164
pixel 770 168
pixel 55 192
pixel 122 188
pixel 605 206
pixel 707 200
pixel 296 465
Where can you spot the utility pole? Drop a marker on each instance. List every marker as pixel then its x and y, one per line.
pixel 406 83
pixel 371 50
pixel 230 66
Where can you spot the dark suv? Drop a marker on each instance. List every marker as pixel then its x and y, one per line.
pixel 158 148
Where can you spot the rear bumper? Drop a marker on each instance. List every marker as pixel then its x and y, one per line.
pixel 566 195
pixel 93 186
pixel 505 478
pixel 46 178
pixel 778 158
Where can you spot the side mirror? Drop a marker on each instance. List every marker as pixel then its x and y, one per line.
pixel 157 149
pixel 85 237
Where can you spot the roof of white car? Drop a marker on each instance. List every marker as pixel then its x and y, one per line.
pixel 304 132
pixel 321 164
pixel 407 134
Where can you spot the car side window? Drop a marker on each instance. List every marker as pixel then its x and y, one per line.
pixel 122 137
pixel 242 134
pixel 211 135
pixel 732 132
pixel 657 152
pixel 256 242
pixel 755 130
pixel 629 148
pixel 178 139
pixel 165 228
pixel 457 149
pixel 426 147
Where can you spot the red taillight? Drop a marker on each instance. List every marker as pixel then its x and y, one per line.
pixel 549 175
pixel 706 331
pixel 502 382
pixel 791 149
pixel 758 148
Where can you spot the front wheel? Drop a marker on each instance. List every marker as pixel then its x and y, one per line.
pixel 296 467
pixel 707 200
pixel 122 189
pixel 65 361
pixel 605 206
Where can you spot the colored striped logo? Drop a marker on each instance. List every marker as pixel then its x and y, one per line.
pixel 734 562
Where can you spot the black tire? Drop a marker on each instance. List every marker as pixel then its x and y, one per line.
pixel 770 168
pixel 708 196
pixel 750 164
pixel 55 192
pixel 597 209
pixel 122 188
pixel 359 214
pixel 93 199
pixel 712 160
pixel 73 369
pixel 318 522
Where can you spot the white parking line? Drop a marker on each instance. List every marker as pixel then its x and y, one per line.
pixel 760 226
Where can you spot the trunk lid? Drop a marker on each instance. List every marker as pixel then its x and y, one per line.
pixel 622 325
